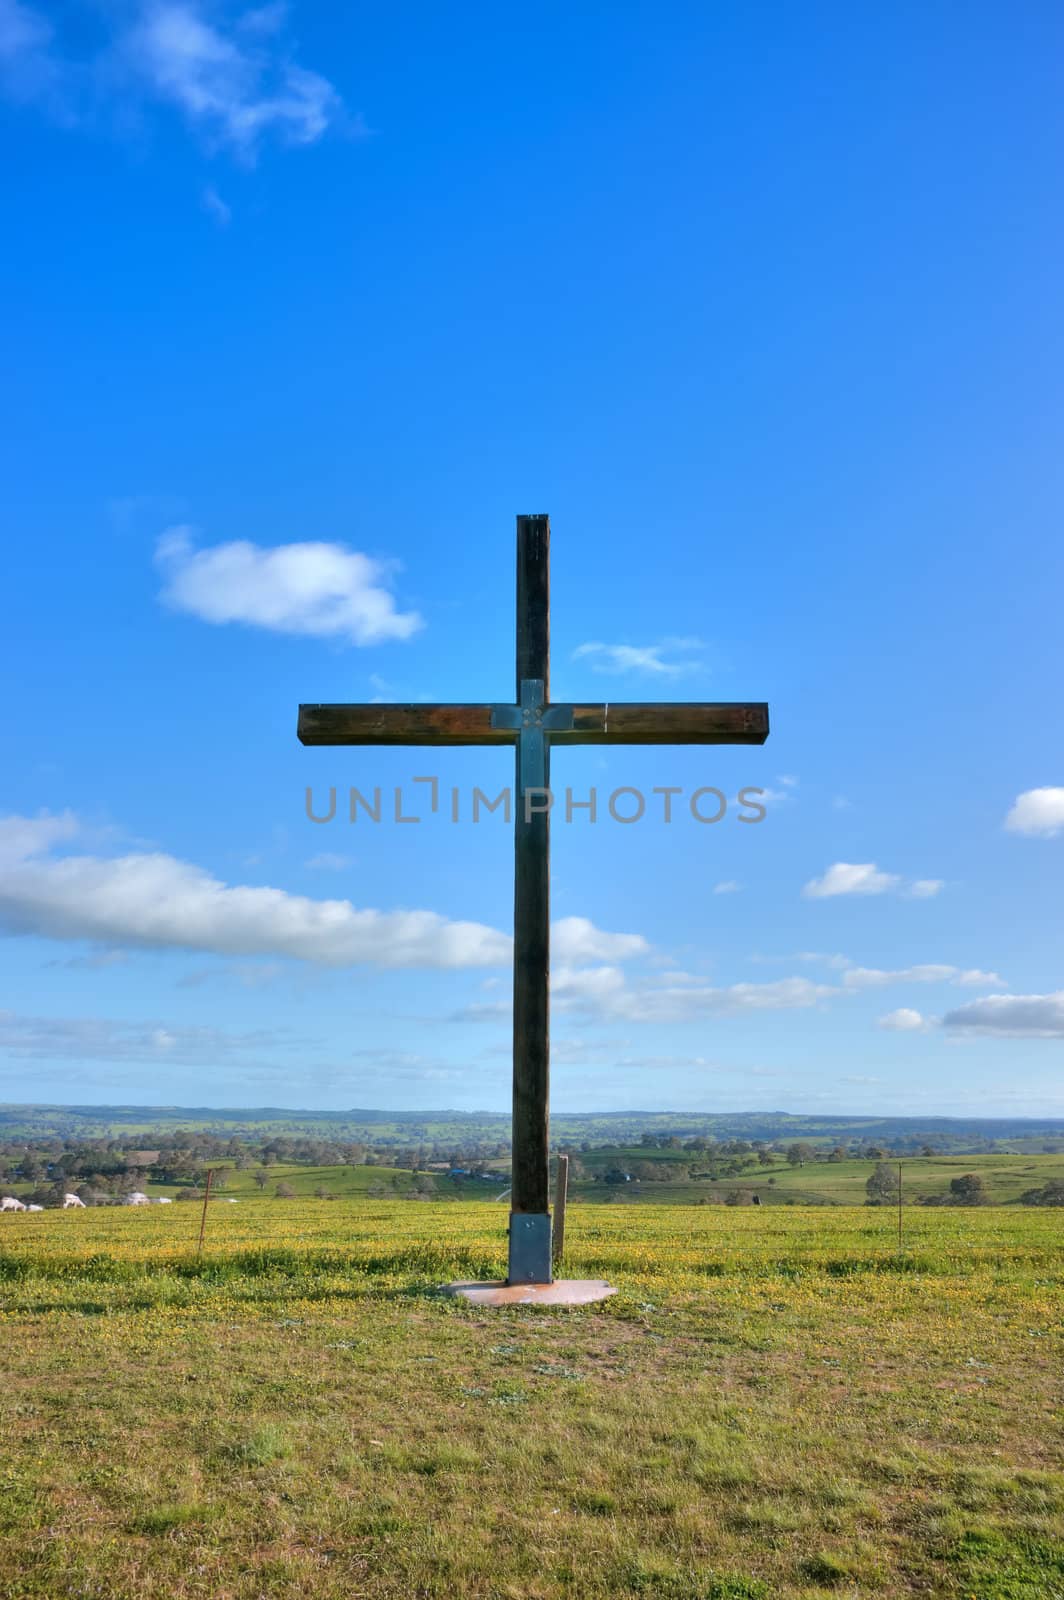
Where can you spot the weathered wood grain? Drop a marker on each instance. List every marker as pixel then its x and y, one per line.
pixel 618 722
pixel 400 724
pixel 613 722
pixel 531 1063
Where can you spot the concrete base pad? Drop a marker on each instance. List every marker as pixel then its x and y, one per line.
pixel 562 1292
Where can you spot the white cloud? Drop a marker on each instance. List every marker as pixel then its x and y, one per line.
pixel 324 590
pixel 688 1064
pixel 571 988
pixel 154 901
pixel 94 961
pixel 865 878
pixel 329 861
pixel 774 797
pixel 216 207
pixel 575 940
pixel 24 837
pixel 28 68
pixel 232 91
pixel 784 995
pixel 846 878
pixel 727 886
pixel 384 693
pixel 263 19
pixel 671 1002
pixel 671 658
pixel 1022 1016
pixel 98 1039
pixel 234 86
pixel 605 994
pixel 904 1020
pixel 22 30
pixel 1037 812
pixel 928 972
pixel 604 991
pixel 876 977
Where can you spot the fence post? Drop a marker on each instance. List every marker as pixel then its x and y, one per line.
pixel 206 1197
pixel 561 1189
pixel 899 1205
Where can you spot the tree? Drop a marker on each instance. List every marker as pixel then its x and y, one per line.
pixel 969 1190
pixel 1051 1195
pixel 284 1191
pixel 799 1154
pixel 262 1177
pixel 882 1187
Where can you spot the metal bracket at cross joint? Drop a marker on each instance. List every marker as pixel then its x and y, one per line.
pixel 532 720
pixel 532 713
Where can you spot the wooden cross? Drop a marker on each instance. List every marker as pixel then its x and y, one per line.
pixel 532 724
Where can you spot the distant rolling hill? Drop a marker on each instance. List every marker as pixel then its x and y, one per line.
pixel 622 1128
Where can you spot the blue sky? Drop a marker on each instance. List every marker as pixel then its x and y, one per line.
pixel 762 305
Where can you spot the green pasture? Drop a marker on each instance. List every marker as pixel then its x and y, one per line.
pixel 778 1404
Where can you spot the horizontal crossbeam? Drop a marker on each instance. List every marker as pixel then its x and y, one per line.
pixel 727 722
pixel 402 724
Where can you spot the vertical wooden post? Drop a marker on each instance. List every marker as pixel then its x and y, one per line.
pixel 561 1192
pixel 530 1239
pixel 203 1218
pixel 899 1205
pixel 531 885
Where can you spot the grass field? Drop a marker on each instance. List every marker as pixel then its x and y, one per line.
pixel 343 1183
pixel 833 1182
pixel 1006 1178
pixel 776 1403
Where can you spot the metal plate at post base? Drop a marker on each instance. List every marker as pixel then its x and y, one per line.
pixel 530 1247
pixel 562 1292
